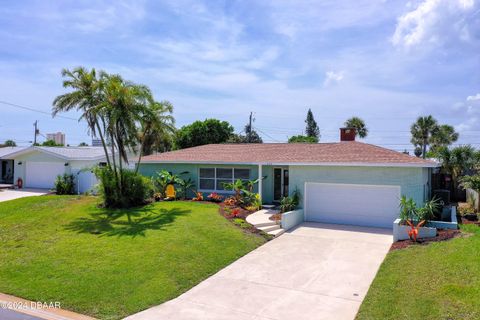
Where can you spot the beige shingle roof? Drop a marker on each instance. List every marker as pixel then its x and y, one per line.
pixel 340 153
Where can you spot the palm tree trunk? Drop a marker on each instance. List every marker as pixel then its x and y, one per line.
pixel 103 142
pixel 140 151
pixel 424 151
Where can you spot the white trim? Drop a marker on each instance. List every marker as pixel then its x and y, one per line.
pixel 321 164
pixel 260 184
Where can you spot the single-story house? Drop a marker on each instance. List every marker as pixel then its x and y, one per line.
pixel 346 182
pixel 38 167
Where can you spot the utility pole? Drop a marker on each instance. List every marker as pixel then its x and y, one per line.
pixel 35 132
pixel 249 133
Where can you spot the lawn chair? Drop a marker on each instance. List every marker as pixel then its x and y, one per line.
pixel 170 192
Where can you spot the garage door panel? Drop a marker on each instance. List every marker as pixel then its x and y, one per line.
pixel 365 205
pixel 42 174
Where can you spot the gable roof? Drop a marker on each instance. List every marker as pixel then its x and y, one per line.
pixel 351 153
pixel 66 153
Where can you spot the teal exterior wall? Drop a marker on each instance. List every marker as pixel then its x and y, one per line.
pixel 414 182
pixel 151 169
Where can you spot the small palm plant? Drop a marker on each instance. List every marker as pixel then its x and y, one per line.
pixel 417 217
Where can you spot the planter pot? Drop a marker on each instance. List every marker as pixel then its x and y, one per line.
pixel 400 232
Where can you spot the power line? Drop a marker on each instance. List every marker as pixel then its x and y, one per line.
pixel 34 110
pixel 273 139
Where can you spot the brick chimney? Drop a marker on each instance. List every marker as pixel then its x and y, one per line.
pixel 347 134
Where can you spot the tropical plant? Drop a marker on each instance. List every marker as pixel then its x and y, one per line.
pixel 65 184
pixel 443 136
pixel 164 178
pixel 291 202
pixel 83 144
pixel 407 208
pixel 456 161
pixel 215 197
pixel 312 129
pixel 410 212
pixel 236 186
pixel 414 229
pixel 198 196
pixel 361 129
pixel 302 139
pixel 203 132
pixel 185 185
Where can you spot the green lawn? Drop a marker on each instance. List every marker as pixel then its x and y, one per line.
pixel 437 281
pixel 64 248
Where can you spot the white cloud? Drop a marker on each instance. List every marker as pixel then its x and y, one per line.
pixel 332 77
pixel 474 97
pixel 437 22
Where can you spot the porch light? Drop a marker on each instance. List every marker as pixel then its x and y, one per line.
pixel 66 164
pixel 19 163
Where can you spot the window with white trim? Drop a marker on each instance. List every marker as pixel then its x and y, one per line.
pixel 213 179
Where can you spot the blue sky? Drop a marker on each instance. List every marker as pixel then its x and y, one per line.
pixel 385 61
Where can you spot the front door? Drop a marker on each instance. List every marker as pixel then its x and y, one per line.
pixel 280 183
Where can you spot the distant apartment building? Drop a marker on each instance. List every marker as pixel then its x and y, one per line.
pixel 58 137
pixel 96 142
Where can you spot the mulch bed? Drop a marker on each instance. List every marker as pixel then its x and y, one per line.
pixel 242 213
pixel 466 221
pixel 442 235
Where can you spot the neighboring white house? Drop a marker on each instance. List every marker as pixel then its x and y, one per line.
pixel 38 167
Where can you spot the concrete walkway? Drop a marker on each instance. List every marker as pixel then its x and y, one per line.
pixel 10 194
pixel 261 221
pixel 316 271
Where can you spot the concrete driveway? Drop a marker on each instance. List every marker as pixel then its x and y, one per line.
pixel 316 271
pixel 10 194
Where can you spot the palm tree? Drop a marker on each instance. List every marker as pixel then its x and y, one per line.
pixel 456 161
pixel 422 131
pixel 359 125
pixel 125 104
pixel 86 98
pixel 443 136
pixel 157 122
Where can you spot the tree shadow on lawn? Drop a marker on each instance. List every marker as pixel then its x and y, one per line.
pixel 108 222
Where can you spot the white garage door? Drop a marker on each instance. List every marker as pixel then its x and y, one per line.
pixel 362 205
pixel 42 174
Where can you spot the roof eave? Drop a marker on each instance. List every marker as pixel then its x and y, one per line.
pixel 324 164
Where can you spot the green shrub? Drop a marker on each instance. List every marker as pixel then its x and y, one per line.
pixel 291 202
pixel 409 210
pixel 65 184
pixel 135 189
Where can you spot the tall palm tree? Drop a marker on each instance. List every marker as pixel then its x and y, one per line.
pixel 157 122
pixel 422 131
pixel 85 97
pixel 359 125
pixel 124 104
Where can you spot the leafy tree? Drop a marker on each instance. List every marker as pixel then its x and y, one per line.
pixel 83 144
pixel 10 143
pixel 359 125
pixel 50 143
pixel 251 136
pixel 302 139
pixel 312 129
pixel 203 132
pixel 427 132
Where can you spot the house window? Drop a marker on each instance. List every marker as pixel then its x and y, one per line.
pixel 213 179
